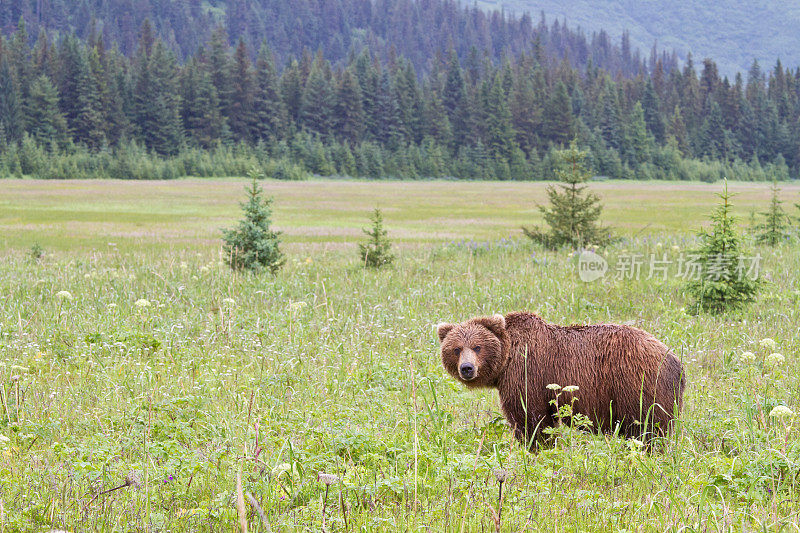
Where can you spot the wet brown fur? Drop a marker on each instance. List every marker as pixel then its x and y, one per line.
pixel 626 377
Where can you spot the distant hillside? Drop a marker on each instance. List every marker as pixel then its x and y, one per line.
pixel 419 30
pixel 732 32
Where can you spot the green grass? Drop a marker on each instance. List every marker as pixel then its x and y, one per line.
pixel 225 372
pixel 67 215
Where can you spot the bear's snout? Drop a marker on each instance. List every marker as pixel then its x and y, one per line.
pixel 468 365
pixel 466 371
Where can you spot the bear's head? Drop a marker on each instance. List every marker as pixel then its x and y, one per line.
pixel 475 352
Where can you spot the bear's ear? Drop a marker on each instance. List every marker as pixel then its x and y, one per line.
pixel 443 329
pixel 496 324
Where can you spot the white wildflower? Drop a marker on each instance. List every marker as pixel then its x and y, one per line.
pixel 768 343
pixel 747 357
pixel 296 306
pixel 570 388
pixel 781 411
pixel 229 301
pixel 327 479
pixel 3 438
pixel 64 295
pixel 775 359
pixel 554 386
pixel 501 474
pixel 141 302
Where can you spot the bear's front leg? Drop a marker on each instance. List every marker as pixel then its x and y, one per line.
pixel 528 419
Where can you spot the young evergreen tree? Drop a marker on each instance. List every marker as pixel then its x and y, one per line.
pixel 775 227
pixel 376 252
pixel 574 212
pixel 722 282
pixel 253 245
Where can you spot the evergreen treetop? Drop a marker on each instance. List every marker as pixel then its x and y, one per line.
pixel 574 212
pixel 252 244
pixel 775 227
pixel 376 252
pixel 724 281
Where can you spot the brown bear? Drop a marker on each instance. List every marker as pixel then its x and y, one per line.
pixel 626 378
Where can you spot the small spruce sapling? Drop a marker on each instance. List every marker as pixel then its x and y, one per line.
pixel 723 283
pixel 37 252
pixel 775 228
pixel 376 252
pixel 574 212
pixel 253 245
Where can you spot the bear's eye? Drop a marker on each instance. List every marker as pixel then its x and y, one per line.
pixel 477 349
pixel 457 351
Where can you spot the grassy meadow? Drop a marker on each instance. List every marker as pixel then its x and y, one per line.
pixel 133 400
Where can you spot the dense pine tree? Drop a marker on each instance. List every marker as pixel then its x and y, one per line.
pixel 349 111
pixel 10 105
pixel 200 109
pixel 269 111
pixel 454 98
pixel 389 128
pixel 46 124
pixel 316 113
pixel 242 97
pixel 558 120
pixel 499 130
pixel 156 101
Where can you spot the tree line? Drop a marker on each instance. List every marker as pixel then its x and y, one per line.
pixel 414 29
pixel 79 108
